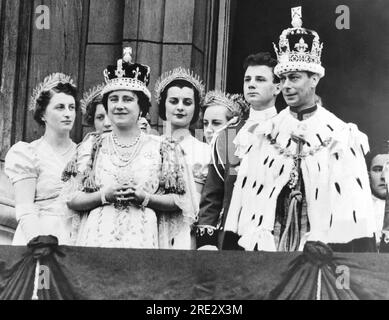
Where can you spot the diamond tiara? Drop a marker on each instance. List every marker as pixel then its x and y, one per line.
pixel 235 103
pixel 178 74
pixel 49 82
pixel 89 96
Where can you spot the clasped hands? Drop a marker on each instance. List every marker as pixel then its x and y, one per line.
pixel 128 192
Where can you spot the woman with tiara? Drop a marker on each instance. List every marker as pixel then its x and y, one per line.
pixel 35 168
pixel 93 110
pixel 124 177
pixel 179 94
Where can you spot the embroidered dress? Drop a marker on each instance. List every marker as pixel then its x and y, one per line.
pixel 130 226
pixel 197 158
pixel 337 190
pixel 38 160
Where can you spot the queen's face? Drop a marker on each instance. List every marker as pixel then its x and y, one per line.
pixel 101 120
pixel 180 106
pixel 60 113
pixel 123 109
pixel 215 117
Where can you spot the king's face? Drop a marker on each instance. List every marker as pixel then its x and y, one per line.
pixel 298 88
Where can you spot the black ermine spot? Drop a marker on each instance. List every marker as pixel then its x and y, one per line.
pixel 363 151
pixel 318 136
pixel 272 192
pixel 337 187
pixel 244 182
pixel 359 182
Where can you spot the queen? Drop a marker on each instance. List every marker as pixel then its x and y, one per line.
pixel 121 179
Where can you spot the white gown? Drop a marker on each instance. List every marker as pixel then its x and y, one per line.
pixel 38 160
pixel 131 227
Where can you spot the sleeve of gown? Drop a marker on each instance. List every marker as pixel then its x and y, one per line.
pixel 177 179
pixel 74 173
pixel 73 177
pixel 21 163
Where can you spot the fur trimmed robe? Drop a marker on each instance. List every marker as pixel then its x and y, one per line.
pixel 337 190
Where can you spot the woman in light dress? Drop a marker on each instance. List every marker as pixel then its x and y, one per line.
pixel 179 94
pixel 123 178
pixel 35 168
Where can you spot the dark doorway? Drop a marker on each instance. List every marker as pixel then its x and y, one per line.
pixel 356 85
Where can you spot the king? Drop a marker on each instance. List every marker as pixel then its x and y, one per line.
pixel 304 177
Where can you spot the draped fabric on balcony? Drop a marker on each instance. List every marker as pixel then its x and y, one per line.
pixel 98 273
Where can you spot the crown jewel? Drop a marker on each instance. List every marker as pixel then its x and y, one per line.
pixel 178 74
pixel 49 82
pixel 299 49
pixel 235 103
pixel 89 96
pixel 126 75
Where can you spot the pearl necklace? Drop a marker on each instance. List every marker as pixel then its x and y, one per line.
pixel 124 145
pixel 125 158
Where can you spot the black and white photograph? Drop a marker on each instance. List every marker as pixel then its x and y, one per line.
pixel 197 154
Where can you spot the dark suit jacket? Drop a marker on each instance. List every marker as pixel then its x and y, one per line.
pixel 217 191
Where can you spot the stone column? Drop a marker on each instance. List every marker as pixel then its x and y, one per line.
pixel 166 34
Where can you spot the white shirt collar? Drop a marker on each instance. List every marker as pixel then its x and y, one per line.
pixel 261 115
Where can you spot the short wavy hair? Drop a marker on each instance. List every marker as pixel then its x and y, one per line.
pixel 261 59
pixel 91 111
pixel 180 84
pixel 44 99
